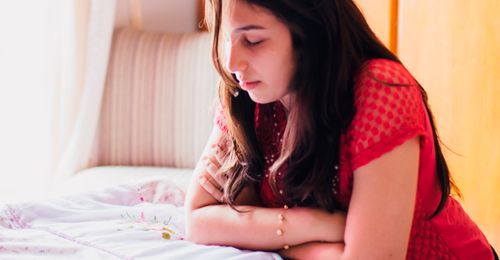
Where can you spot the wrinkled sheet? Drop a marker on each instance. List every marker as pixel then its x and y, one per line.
pixel 143 220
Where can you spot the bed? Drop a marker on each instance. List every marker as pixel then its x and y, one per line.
pixel 140 219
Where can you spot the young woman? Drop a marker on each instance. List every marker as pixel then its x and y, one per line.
pixel 324 145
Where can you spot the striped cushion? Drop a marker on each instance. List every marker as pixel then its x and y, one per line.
pixel 159 100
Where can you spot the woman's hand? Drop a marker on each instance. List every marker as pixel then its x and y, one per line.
pixel 212 180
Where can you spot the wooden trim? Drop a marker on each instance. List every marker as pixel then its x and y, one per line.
pixel 394 26
pixel 202 26
pixel 135 14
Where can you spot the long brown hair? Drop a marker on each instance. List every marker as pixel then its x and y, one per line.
pixel 331 41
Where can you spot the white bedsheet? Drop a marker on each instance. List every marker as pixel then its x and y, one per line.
pixel 142 220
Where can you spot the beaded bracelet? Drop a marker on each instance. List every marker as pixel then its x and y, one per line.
pixel 280 231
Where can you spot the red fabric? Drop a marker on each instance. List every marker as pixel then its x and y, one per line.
pixel 220 119
pixel 270 123
pixel 389 111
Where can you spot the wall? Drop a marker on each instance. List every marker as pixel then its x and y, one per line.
pixel 182 15
pixel 452 48
pixel 161 15
pixel 378 16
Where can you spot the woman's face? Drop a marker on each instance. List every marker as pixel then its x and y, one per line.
pixel 258 51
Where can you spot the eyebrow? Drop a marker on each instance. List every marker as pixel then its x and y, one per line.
pixel 248 28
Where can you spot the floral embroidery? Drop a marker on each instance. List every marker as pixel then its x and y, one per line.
pixel 163 227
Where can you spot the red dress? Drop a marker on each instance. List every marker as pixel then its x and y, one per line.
pixel 390 111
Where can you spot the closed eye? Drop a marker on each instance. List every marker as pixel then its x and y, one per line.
pixel 249 43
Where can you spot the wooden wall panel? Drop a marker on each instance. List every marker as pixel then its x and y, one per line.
pixel 379 14
pixel 202 26
pixel 452 47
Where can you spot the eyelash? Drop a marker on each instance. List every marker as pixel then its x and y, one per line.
pixel 251 44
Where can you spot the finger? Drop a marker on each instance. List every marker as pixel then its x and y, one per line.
pixel 212 181
pixel 213 171
pixel 212 158
pixel 210 166
pixel 219 154
pixel 223 141
pixel 226 143
pixel 210 188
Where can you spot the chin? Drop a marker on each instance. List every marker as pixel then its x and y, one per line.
pixel 261 99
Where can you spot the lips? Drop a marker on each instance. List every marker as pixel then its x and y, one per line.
pixel 249 85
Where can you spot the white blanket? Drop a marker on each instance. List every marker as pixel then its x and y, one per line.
pixel 143 220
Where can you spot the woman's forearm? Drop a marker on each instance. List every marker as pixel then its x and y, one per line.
pixel 315 250
pixel 256 227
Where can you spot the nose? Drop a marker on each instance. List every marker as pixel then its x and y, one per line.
pixel 236 61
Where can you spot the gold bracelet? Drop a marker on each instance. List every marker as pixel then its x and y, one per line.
pixel 280 231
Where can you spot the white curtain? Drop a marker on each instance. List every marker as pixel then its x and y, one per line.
pixel 24 127
pixel 78 51
pixel 53 58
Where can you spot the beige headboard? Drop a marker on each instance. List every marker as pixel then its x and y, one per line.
pixel 159 99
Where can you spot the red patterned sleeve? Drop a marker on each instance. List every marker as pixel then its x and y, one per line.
pixel 389 111
pixel 220 118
